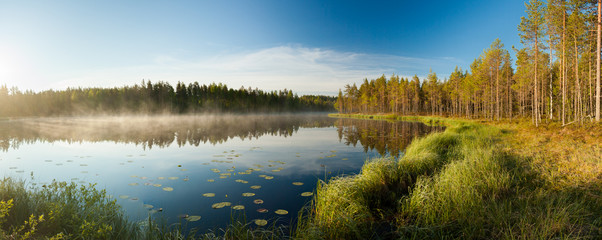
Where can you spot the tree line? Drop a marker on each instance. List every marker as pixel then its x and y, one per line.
pixel 154 98
pixel 557 75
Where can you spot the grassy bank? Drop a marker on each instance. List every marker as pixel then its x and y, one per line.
pixel 469 182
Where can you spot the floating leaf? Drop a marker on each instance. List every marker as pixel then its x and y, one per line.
pixel 134 199
pixel 47 160
pixel 220 205
pixel 185 179
pixel 133 184
pixel 255 187
pixel 143 178
pixel 20 171
pixel 258 201
pixel 179 165
pixel 12 168
pixel 210 180
pixel 83 165
pixel 168 189
pixel 307 194
pixel 193 218
pixel 281 212
pixel 148 206
pixel 344 159
pixel 124 196
pixel 160 178
pixel 297 183
pixel 261 222
pixel 262 210
pixel 172 178
pixel 208 194
pixel 183 169
pixel 157 185
pixel 275 170
pixel 223 176
pixel 269 177
pixel 248 194
pixel 238 207
pixel 262 176
pixel 205 163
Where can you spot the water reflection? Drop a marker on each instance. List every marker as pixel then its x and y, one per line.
pixel 386 137
pixel 156 131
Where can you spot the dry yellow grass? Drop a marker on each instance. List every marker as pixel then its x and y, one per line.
pixel 569 156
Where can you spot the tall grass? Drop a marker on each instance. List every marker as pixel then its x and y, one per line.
pixel 463 183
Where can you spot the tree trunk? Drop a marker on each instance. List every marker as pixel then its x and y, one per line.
pixel 563 67
pixel 535 103
pixel 598 61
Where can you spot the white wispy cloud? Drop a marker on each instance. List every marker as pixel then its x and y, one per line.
pixel 304 70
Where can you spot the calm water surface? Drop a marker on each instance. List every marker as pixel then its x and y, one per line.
pixel 168 163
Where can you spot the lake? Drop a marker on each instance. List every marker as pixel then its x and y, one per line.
pixel 212 166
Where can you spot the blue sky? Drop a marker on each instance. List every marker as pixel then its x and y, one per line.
pixel 310 46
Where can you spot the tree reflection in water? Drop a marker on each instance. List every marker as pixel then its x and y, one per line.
pixel 386 137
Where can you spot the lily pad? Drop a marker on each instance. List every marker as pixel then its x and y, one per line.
pixel 193 218
pixel 220 205
pixel 275 170
pixel 307 194
pixel 168 189
pixel 262 210
pixel 258 201
pixel 172 178
pixel 157 185
pixel 261 222
pixel 262 176
pixel 248 194
pixel 160 178
pixel 255 187
pixel 238 207
pixel 133 184
pixel 148 206
pixel 124 196
pixel 208 194
pixel 281 212
pixel 269 177
pixel 297 183
pixel 210 180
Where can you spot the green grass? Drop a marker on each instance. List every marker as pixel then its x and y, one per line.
pixel 463 183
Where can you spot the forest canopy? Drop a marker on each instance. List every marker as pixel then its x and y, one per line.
pixel 155 98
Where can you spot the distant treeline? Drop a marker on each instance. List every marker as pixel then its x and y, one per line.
pixel 159 97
